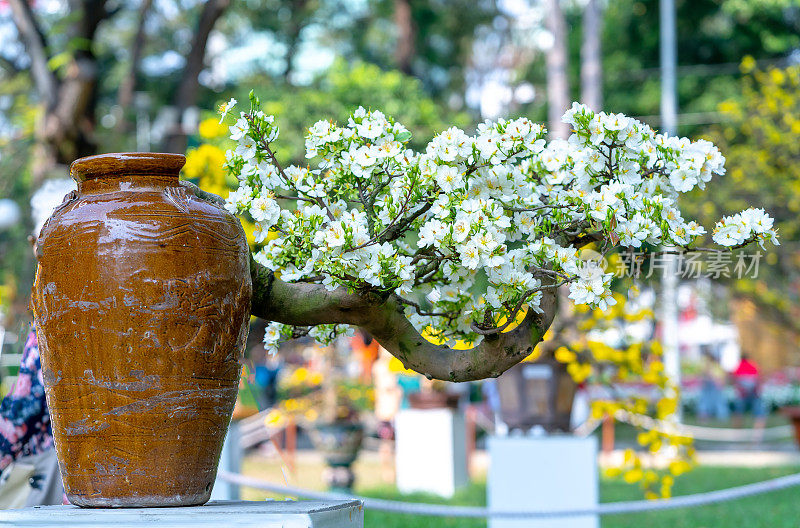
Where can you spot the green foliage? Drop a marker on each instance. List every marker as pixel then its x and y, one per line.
pixel 343 89
pixel 713 36
pixel 16 259
pixel 442 34
pixel 708 34
pixel 443 31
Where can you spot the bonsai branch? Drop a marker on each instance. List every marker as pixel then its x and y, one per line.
pixel 303 304
pixel 309 304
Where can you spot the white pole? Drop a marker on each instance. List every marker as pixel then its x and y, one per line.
pixel 669 118
pixel 669 96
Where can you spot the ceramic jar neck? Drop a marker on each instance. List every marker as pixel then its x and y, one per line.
pixel 126 172
pixel 127 182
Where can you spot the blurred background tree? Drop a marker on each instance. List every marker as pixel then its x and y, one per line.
pixel 110 75
pixel 713 36
pixel 342 89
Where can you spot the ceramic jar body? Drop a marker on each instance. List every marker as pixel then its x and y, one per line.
pixel 142 301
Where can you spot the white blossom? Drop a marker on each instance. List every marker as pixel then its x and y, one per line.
pixel 472 224
pixel 225 108
pixel 265 210
pixel 240 129
pixel 272 335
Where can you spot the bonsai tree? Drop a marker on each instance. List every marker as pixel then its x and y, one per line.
pixel 466 242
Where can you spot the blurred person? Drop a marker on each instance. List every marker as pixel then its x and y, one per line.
pixel 491 394
pixel 747 384
pixel 30 474
pixel 266 379
pixel 712 400
pixel 409 384
pixel 366 350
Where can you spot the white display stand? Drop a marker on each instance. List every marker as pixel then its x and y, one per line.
pixel 545 473
pixel 430 451
pixel 251 514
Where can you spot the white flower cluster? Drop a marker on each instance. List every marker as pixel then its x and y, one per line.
pixel 475 228
pixel 745 227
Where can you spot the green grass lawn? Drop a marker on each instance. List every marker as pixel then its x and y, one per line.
pixel 772 510
pixel 472 495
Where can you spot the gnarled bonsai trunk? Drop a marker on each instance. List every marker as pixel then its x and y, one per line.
pixel 305 304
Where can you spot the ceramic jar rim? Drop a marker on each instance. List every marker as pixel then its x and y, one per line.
pixel 126 163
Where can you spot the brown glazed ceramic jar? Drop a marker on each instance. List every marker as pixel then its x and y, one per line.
pixel 142 301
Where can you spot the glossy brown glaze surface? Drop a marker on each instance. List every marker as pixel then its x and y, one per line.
pixel 142 300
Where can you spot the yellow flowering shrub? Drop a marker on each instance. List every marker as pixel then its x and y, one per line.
pixel 760 136
pixel 630 362
pixel 205 164
pixel 302 393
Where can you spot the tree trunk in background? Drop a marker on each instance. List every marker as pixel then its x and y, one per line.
pixel 404 24
pixel 35 45
pixel 128 85
pixel 186 95
pixel 66 128
pixel 591 57
pixel 299 20
pixel 558 99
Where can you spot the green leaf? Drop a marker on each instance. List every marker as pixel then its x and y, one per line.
pixel 59 60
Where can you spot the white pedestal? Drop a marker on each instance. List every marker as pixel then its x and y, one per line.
pixel 251 514
pixel 543 473
pixel 430 451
